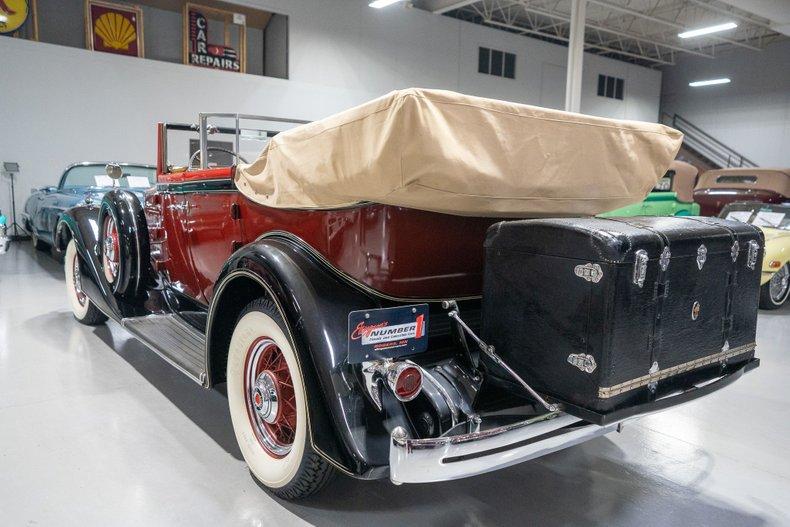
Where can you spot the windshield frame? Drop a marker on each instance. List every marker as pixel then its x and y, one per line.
pixel 757 207
pixel 69 168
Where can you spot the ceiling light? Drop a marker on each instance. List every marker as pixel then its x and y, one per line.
pixel 378 4
pixel 710 82
pixel 706 30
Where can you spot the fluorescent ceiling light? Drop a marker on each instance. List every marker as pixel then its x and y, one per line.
pixel 378 4
pixel 710 82
pixel 706 30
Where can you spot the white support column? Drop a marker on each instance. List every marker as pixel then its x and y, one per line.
pixel 573 80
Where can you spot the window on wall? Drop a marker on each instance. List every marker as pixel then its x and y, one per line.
pixel 611 87
pixel 497 63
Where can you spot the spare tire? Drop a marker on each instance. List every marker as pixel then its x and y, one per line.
pixel 123 245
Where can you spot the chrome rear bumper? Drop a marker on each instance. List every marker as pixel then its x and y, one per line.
pixel 460 456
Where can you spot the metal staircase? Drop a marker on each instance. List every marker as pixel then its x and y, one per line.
pixel 705 146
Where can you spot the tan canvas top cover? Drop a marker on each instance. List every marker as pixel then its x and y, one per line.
pixel 773 179
pixel 684 180
pixel 446 152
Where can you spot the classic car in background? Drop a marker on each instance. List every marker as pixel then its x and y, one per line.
pixel 673 195
pixel 774 220
pixel 369 312
pixel 81 183
pixel 716 188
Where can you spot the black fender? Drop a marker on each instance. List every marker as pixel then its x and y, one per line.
pixel 81 224
pixel 344 425
pixel 134 270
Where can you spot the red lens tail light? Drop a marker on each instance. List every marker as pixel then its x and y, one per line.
pixel 405 380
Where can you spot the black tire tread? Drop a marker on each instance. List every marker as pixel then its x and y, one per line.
pixel 93 317
pixel 314 472
pixel 765 298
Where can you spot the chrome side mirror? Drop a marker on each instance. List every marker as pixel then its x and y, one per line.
pixel 114 170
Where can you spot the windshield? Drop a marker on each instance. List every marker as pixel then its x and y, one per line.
pixel 134 177
pixel 759 214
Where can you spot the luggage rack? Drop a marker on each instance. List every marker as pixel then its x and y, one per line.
pixel 204 130
pixel 673 391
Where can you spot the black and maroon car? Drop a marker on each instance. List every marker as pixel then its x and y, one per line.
pixel 376 340
pixel 717 188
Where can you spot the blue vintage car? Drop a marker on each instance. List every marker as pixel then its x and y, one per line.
pixel 80 184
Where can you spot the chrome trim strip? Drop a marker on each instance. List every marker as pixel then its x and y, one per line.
pixel 447 458
pixel 346 277
pixel 128 325
pixel 617 389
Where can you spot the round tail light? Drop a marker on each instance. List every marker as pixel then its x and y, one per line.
pixel 775 264
pixel 405 381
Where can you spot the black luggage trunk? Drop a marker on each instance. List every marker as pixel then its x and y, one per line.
pixel 604 314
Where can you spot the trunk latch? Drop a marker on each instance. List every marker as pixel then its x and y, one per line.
pixel 640 267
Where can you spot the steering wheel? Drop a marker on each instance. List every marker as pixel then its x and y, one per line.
pixel 194 156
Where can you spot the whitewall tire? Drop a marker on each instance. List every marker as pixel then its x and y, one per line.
pixel 775 292
pixel 268 405
pixel 81 306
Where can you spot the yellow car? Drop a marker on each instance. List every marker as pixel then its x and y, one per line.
pixel 774 220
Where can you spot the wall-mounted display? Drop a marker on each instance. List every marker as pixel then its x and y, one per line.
pixel 114 28
pixel 18 19
pixel 204 25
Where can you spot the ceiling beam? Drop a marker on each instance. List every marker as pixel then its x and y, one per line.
pixel 451 7
pixel 605 29
pixel 658 20
pixel 722 11
pixel 561 38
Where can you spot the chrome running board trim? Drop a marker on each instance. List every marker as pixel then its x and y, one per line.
pixel 182 346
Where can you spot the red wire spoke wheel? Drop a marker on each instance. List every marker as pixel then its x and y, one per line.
pixel 77 281
pixel 271 402
pixel 81 306
pixel 267 399
pixel 111 249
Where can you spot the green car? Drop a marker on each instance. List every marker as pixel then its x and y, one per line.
pixel 672 196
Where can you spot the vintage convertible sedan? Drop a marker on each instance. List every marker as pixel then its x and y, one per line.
pixel 80 183
pixel 372 297
pixel 774 220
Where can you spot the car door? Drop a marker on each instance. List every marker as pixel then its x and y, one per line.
pixel 213 227
pixel 46 209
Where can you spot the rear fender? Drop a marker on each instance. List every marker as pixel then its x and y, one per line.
pixel 344 426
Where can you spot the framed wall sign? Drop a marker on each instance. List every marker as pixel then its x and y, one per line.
pixel 114 28
pixel 18 19
pixel 214 38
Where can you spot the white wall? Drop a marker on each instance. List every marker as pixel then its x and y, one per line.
pixel 59 105
pixel 751 114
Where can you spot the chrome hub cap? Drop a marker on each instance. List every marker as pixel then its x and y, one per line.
pixel 779 285
pixel 264 397
pixel 269 392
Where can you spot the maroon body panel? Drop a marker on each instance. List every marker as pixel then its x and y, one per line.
pixel 712 200
pixel 399 252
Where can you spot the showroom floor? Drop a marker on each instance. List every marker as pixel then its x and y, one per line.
pixel 96 430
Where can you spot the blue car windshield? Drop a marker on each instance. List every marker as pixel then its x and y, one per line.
pixel 134 177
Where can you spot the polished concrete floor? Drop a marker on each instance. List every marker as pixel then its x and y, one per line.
pixel 96 430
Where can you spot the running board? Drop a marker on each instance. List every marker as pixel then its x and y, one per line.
pixel 174 340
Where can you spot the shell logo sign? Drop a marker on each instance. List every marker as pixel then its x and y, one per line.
pixel 13 15
pixel 114 28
